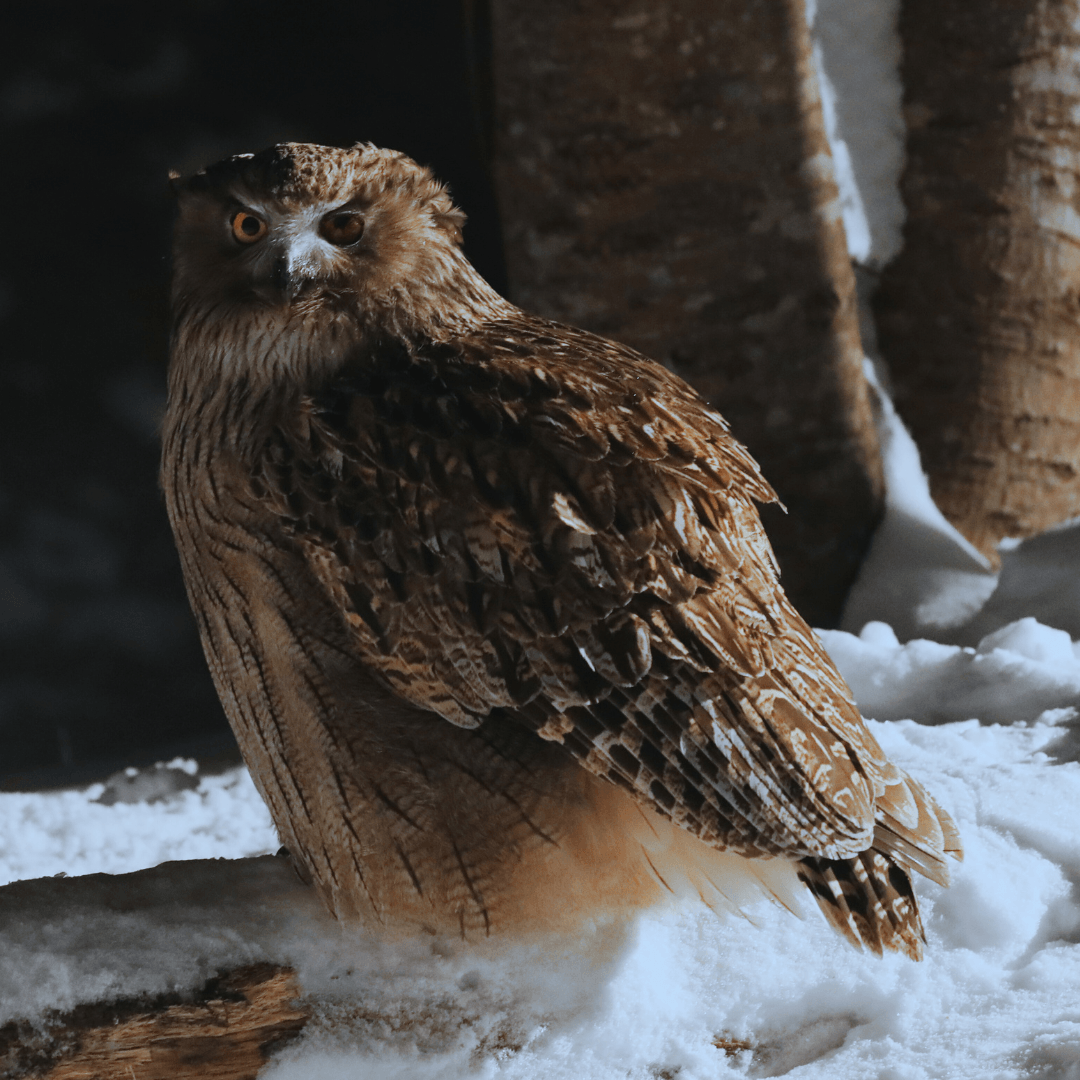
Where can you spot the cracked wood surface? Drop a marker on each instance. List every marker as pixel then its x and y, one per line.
pixel 225 1031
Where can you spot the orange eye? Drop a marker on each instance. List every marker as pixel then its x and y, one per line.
pixel 247 228
pixel 342 227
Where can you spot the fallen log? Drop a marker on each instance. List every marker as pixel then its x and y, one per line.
pixel 183 970
pixel 225 1030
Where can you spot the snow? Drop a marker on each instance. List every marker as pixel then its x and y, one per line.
pixel 990 727
pixel 857 56
pixel 682 992
pixel 1039 577
pixel 923 578
pixel 920 575
pixel 86 832
pixel 938 682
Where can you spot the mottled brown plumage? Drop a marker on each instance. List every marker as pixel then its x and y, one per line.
pixel 486 597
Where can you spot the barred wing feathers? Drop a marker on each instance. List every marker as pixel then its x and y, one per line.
pixel 538 522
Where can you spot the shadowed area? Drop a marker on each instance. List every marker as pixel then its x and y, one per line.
pixel 99 661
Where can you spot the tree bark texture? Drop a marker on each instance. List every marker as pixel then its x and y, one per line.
pixel 224 1032
pixel 665 180
pixel 977 317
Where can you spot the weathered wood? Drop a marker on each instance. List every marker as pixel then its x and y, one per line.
pixel 665 180
pixel 77 943
pixel 978 315
pixel 225 1031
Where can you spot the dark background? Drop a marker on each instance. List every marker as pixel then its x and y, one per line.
pixel 100 665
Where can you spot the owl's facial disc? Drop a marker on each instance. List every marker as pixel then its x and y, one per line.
pixel 291 252
pixel 361 235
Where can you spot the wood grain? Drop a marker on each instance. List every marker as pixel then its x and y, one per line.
pixel 225 1031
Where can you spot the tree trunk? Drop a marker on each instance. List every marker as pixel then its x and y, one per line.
pixel 223 1032
pixel 665 180
pixel 978 315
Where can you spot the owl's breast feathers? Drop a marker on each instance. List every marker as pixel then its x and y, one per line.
pixel 533 523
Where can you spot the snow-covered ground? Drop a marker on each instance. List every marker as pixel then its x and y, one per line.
pixel 681 993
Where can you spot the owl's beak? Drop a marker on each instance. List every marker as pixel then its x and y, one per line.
pixel 294 268
pixel 280 283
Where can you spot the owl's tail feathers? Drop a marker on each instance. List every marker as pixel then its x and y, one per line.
pixel 869 898
pixel 913 830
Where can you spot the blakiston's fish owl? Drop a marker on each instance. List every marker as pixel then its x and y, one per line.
pixel 486 598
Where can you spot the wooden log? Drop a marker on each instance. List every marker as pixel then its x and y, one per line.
pixel 126 969
pixel 977 318
pixel 665 179
pixel 224 1031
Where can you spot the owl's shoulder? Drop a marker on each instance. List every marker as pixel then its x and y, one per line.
pixel 524 388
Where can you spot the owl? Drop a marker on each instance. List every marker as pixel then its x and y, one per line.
pixel 486 597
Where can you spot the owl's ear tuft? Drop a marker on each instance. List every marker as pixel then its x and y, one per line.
pixel 452 221
pixel 174 183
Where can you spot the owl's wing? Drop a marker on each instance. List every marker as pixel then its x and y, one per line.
pixel 539 522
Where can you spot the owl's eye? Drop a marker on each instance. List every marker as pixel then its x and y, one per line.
pixel 247 228
pixel 342 227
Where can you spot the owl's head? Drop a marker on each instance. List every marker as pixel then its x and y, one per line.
pixel 302 230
